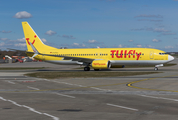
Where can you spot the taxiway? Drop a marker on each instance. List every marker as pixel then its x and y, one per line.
pixel 142 97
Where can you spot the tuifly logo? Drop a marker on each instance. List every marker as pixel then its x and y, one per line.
pixel 125 54
pixel 27 39
pixel 100 64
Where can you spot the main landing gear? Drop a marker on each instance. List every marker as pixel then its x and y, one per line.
pixel 86 68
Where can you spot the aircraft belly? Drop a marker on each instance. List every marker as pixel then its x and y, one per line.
pixel 139 62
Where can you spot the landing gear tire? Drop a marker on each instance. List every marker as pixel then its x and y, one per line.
pixel 155 68
pixel 86 68
pixel 96 69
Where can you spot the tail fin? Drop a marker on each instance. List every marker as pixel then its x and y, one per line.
pixel 31 36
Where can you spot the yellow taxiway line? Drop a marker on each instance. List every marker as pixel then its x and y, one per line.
pixel 131 84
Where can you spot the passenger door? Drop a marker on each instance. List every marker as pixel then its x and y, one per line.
pixel 151 54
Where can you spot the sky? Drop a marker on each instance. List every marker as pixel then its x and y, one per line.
pixel 92 23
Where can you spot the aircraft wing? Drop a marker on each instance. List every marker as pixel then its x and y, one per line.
pixel 79 59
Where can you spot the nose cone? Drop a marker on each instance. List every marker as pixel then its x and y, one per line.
pixel 170 58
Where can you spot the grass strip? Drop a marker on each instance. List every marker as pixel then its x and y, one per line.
pixel 83 74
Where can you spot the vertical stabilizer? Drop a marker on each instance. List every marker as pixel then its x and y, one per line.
pixel 31 36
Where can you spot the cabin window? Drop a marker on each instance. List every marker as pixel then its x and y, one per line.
pixel 162 53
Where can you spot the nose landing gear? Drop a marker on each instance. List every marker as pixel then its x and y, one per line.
pixel 156 66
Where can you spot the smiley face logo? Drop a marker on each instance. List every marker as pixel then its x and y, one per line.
pixel 27 39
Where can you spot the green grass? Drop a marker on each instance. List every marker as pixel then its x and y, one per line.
pixel 20 68
pixel 84 74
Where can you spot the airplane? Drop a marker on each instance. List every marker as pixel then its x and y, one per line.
pixel 97 58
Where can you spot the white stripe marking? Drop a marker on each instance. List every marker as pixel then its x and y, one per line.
pixel 54 118
pixel 82 86
pixel 11 82
pixel 31 109
pixel 46 79
pixel 65 95
pixel 98 88
pixel 3 99
pixel 122 107
pixel 65 83
pixel 159 98
pixel 33 88
pixel 14 103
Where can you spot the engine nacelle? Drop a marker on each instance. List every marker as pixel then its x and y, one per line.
pixel 101 64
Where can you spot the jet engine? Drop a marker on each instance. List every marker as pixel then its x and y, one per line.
pixel 101 64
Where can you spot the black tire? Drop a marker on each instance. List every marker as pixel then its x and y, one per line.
pixel 155 68
pixel 96 69
pixel 86 68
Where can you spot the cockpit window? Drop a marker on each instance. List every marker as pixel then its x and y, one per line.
pixel 162 53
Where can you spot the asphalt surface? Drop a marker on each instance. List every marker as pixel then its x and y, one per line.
pixel 143 97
